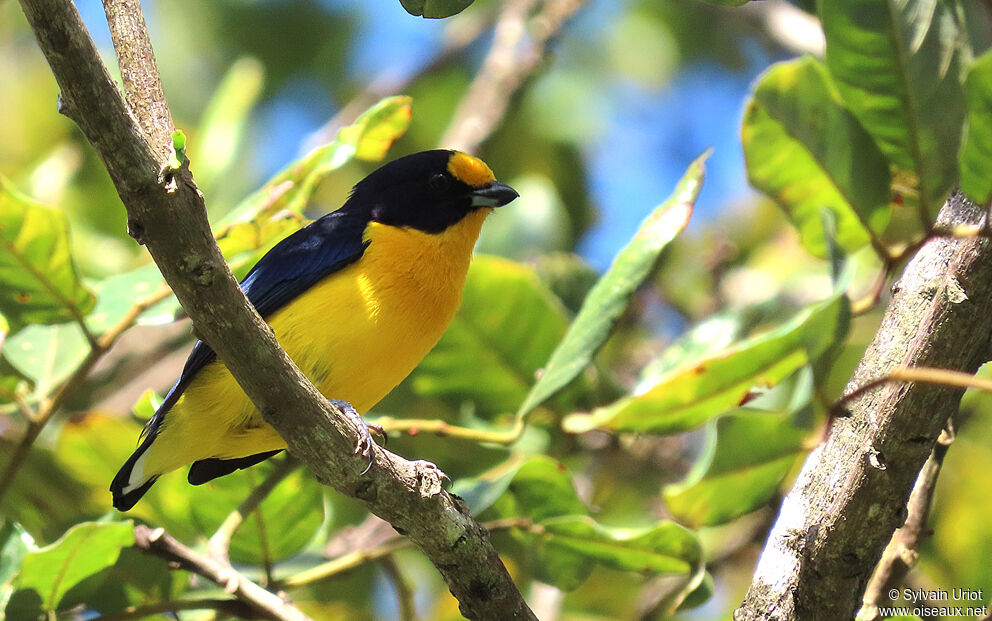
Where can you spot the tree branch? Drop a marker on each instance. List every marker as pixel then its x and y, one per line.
pixel 511 59
pixel 852 492
pixel 230 607
pixel 139 72
pixel 166 213
pixel 161 544
pixel 903 550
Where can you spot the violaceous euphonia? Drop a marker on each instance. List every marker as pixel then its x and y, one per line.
pixel 357 298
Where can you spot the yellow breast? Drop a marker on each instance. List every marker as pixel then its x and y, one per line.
pixel 356 334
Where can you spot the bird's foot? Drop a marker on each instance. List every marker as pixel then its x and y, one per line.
pixel 430 478
pixel 366 430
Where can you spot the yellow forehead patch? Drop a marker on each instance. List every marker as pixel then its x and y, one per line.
pixel 470 170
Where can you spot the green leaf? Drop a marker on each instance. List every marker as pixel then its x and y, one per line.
pixel 665 548
pixel 503 333
pixel 83 551
pixel 15 543
pixel 12 381
pixel 38 280
pixel 976 151
pixel 567 543
pixel 283 524
pixel 480 492
pixel 898 65
pixel 147 404
pixel 435 9
pixel 44 498
pixel 808 152
pixel 225 120
pixel 746 457
pixel 609 297
pixel 708 337
pixel 543 489
pixel 274 211
pixel 117 295
pixel 47 354
pixel 687 396
pixel 374 132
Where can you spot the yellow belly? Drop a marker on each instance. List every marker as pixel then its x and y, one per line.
pixel 356 335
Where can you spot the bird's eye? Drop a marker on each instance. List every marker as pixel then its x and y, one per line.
pixel 439 182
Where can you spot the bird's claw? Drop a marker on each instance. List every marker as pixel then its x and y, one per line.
pixel 429 477
pixel 366 443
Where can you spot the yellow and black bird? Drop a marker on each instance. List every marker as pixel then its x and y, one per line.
pixel 356 298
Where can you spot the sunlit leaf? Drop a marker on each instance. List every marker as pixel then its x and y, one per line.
pixel 47 354
pixel 147 404
pixel 225 121
pixel 504 332
pixel 374 132
pixel 609 297
pixel 118 294
pixel 274 211
pixel 808 152
pixel 38 280
pixel 747 454
pixel 435 8
pixel 48 573
pixel 687 396
pixel 976 151
pixel 898 66
pixel 12 381
pixel 15 542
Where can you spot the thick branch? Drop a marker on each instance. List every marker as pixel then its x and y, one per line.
pixel 852 492
pixel 166 213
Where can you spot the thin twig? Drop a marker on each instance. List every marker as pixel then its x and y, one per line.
pixel 510 61
pixel 163 545
pixel 220 543
pixel 52 404
pixel 404 593
pixel 902 552
pixel 232 607
pixel 439 427
pixel 925 375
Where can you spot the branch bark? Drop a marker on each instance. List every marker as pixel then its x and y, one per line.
pixel 166 213
pixel 903 550
pixel 852 492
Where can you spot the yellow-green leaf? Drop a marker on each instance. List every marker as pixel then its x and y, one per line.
pixel 38 279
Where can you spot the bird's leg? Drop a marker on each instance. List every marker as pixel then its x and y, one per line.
pixel 365 430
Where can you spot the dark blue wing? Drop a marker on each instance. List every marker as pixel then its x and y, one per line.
pixel 291 267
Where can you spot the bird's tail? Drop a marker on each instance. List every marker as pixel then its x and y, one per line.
pixel 130 484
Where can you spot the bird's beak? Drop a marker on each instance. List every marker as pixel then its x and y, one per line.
pixel 494 194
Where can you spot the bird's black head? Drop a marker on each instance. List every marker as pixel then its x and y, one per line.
pixel 428 191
